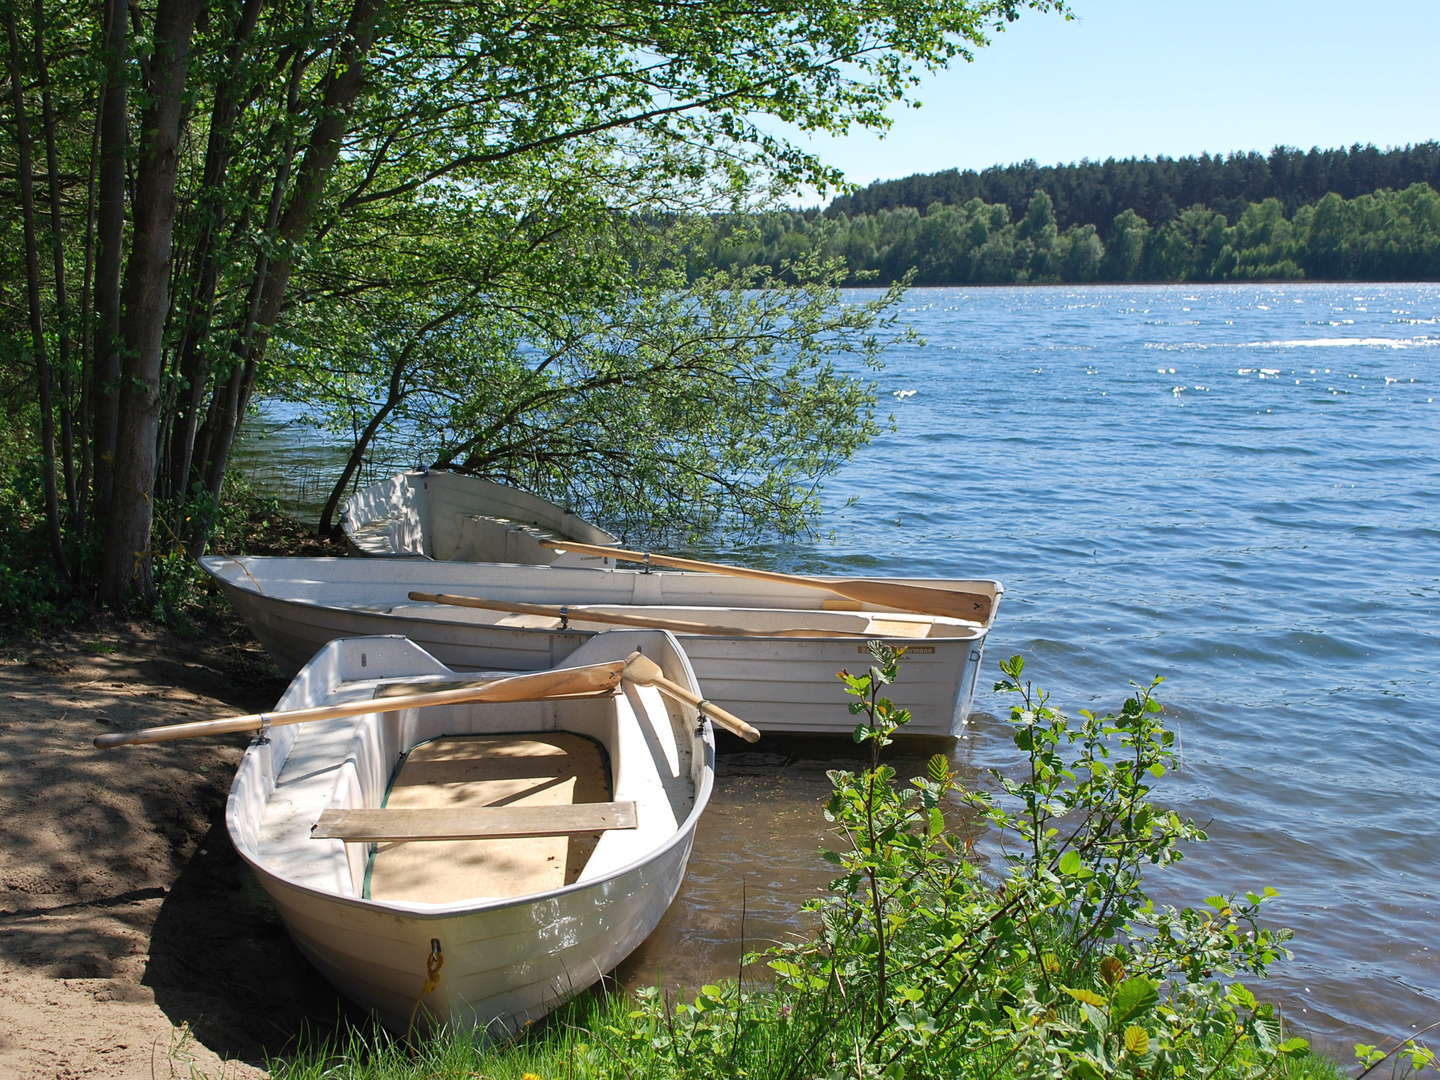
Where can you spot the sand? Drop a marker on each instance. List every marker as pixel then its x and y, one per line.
pixel 133 941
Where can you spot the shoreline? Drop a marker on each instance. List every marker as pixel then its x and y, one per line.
pixel 133 941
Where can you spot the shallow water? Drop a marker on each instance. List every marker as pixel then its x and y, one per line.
pixel 1237 487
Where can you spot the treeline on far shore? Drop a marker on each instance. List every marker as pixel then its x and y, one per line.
pixel 1159 188
pixel 1383 235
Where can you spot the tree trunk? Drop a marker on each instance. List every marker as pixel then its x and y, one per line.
pixel 57 249
pixel 193 359
pixel 25 167
pixel 126 563
pixel 105 375
pixel 342 86
pixel 327 526
pixel 87 328
pixel 339 92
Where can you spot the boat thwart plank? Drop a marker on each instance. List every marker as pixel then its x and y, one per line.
pixel 473 822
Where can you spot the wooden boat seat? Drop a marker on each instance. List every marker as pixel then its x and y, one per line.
pixel 472 822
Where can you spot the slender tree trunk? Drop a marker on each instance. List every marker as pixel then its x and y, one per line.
pixel 105 376
pixel 87 327
pixel 327 525
pixel 194 362
pixel 222 420
pixel 340 89
pixel 25 167
pixel 65 359
pixel 395 393
pixel 126 563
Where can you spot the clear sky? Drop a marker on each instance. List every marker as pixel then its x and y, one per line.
pixel 1135 78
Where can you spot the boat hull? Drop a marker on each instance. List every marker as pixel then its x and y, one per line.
pixel 501 967
pixel 488 963
pixel 779 684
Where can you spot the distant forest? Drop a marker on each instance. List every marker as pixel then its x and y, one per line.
pixel 1331 215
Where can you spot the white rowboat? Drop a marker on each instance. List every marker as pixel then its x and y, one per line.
pixel 780 684
pixel 574 816
pixel 442 515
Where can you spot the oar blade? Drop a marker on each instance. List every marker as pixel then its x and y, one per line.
pixel 921 599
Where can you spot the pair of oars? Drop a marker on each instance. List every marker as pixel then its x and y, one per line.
pixel 896 596
pixel 585 613
pixel 587 680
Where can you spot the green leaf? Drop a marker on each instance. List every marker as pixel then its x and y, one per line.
pixel 1134 996
pixel 1087 997
pixel 1070 863
pixel 937 822
pixel 1137 1040
pixel 1241 996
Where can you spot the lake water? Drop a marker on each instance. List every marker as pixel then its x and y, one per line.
pixel 1236 487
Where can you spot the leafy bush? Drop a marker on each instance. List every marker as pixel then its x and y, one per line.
pixel 1052 962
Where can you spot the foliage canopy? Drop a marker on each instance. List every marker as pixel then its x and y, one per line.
pixel 218 199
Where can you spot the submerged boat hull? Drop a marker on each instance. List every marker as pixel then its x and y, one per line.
pixel 487 962
pixel 779 684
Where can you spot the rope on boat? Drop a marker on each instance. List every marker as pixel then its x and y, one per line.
pixel 433 963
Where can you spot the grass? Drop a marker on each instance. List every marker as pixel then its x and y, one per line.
pixel 602 1035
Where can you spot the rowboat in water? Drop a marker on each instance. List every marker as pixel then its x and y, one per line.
pixel 772 655
pixel 427 513
pixel 473 864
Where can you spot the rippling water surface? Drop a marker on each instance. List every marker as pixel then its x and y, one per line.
pixel 1237 487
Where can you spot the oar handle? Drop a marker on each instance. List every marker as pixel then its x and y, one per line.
pixel 531 687
pixel 643 670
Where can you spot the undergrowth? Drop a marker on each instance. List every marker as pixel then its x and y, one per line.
pixel 37 599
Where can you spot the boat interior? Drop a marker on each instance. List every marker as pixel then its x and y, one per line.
pixel 491 774
pixel 445 516
pixel 464 804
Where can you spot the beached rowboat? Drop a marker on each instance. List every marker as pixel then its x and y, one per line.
pixel 781 684
pixel 472 864
pixel 443 515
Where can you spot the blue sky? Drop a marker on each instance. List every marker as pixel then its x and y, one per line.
pixel 1130 78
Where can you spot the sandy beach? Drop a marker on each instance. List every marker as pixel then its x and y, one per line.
pixel 133 942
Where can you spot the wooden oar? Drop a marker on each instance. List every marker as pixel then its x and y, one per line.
pixel 542 684
pixel 585 614
pixel 641 669
pixel 922 599
pixel 651 676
